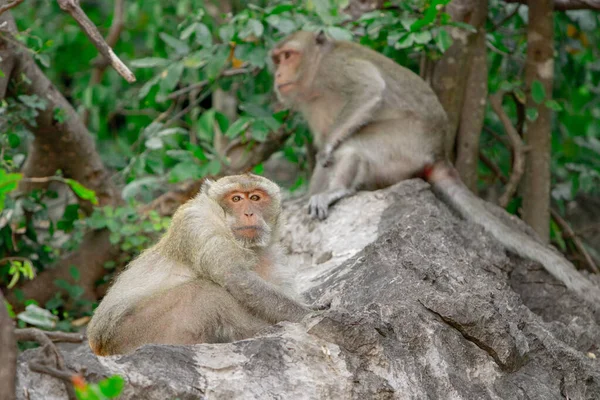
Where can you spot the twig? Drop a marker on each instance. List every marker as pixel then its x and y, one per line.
pixel 576 241
pixel 43 369
pixel 45 339
pixel 201 84
pixel 101 62
pixel 91 31
pixel 491 165
pixel 8 6
pixel 568 231
pixel 518 149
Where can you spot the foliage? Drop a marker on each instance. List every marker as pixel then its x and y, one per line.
pixel 109 388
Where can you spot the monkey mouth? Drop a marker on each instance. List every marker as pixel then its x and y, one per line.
pixel 284 85
pixel 248 231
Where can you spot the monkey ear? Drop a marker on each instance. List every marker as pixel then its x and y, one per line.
pixel 321 38
pixel 205 186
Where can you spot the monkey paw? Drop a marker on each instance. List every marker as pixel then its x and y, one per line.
pixel 318 206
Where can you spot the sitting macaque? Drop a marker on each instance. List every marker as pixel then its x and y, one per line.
pixel 376 123
pixel 215 276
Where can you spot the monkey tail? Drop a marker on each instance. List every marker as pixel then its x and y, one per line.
pixel 446 182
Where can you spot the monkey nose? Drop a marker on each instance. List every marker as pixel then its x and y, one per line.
pixel 248 214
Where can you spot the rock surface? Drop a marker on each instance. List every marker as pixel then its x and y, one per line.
pixel 424 305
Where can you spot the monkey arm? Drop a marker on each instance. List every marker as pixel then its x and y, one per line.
pixel 263 298
pixel 363 85
pixel 232 267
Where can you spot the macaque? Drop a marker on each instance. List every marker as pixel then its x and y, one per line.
pixel 215 276
pixel 376 123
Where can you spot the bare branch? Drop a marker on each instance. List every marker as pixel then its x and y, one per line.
pixel 8 6
pixel 88 27
pixel 565 5
pixel 201 84
pixel 50 354
pixel 576 240
pixel 518 148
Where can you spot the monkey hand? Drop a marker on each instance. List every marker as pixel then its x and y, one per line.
pixel 325 157
pixel 318 206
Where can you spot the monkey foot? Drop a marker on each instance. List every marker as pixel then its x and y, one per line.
pixel 318 206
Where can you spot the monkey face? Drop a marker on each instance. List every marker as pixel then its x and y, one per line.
pixel 246 214
pixel 287 61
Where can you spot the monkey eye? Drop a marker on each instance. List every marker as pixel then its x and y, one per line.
pixel 255 197
pixel 287 55
pixel 236 198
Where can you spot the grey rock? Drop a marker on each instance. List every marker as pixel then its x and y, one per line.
pixel 424 305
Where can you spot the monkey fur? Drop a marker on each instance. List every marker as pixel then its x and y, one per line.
pixel 216 275
pixel 376 123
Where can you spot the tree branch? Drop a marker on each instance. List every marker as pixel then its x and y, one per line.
pixel 576 240
pixel 201 84
pixel 565 5
pixel 101 63
pixel 91 31
pixel 518 149
pixel 10 5
pixel 50 354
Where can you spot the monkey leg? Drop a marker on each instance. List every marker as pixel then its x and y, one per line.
pixel 194 312
pixel 330 184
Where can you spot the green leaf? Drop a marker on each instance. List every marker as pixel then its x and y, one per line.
pixel 145 89
pixel 154 143
pixel 37 316
pixel 178 45
pixel 82 192
pixel 238 127
pixel 150 62
pixel 405 41
pixel 203 35
pixel 520 95
pixel 258 169
pixel 187 32
pixel 184 171
pixel 170 77
pixel 422 37
pixel 443 40
pixel 279 9
pixel 213 167
pixel 553 105
pixel 196 60
pixel 14 140
pixel 532 113
pixel 112 387
pixel 260 131
pixel 74 272
pixel 8 183
pixel 133 188
pixel 339 33
pixel 538 93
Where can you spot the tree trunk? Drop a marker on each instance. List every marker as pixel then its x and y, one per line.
pixel 475 98
pixel 8 354
pixel 451 73
pixel 539 67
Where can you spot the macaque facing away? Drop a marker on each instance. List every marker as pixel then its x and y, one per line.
pixel 215 276
pixel 376 123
